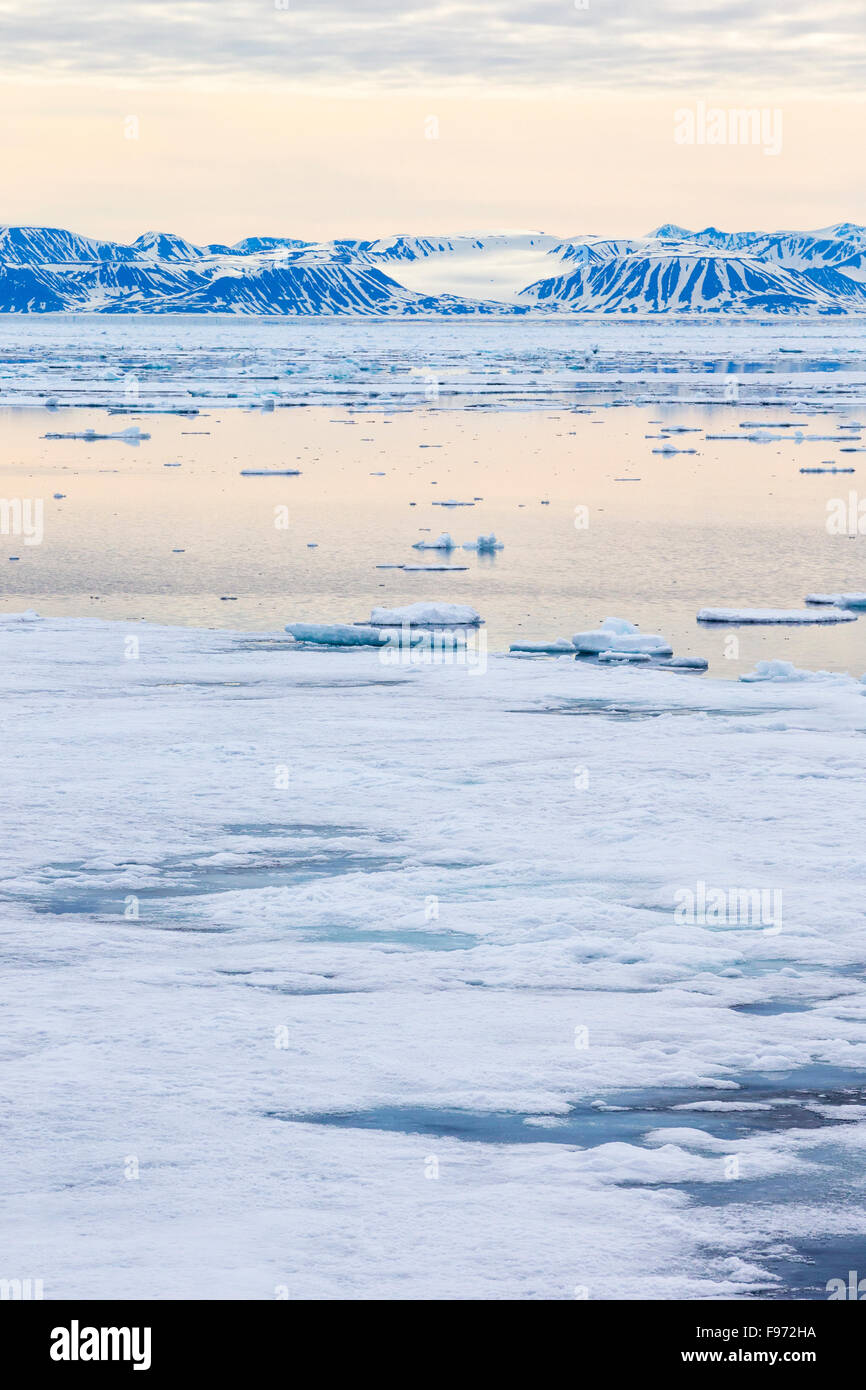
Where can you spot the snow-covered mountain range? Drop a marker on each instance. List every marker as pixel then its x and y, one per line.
pixel 672 270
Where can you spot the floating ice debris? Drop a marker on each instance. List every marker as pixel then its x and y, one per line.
pixel 669 449
pixel 336 634
pixel 829 599
pixel 433 569
pixel 270 472
pixel 772 615
pixel 828 470
pixel 58 496
pixel 26 616
pixel 132 435
pixel 443 542
pixel 452 503
pixel 171 465
pixel 686 663
pixel 618 625
pixel 485 545
pixel 619 656
pixel 852 600
pixel 782 671
pixel 426 614
pixel 607 640
pixel 558 648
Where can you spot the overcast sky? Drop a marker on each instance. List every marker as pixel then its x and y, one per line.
pixel 313 119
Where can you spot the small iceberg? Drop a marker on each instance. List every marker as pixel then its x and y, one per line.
pixel 485 545
pixel 443 542
pixel 733 616
pixel 336 634
pixel 270 472
pixel 558 648
pixel 852 601
pixel 618 657
pixel 686 663
pixel 426 615
pixel 617 635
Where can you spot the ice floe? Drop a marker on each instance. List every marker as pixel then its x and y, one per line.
pixel 485 545
pixel 427 615
pixel 560 647
pixel 735 616
pixel 131 435
pixel 336 634
pixel 340 872
pixel 443 542
pixel 785 671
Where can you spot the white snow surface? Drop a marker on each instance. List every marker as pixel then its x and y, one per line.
pixel 284 965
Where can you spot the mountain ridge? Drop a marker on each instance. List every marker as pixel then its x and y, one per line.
pixel 671 270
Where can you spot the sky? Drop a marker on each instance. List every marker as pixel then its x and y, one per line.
pixel 219 119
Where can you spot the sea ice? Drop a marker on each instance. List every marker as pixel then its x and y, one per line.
pixel 771 615
pixel 443 542
pixel 485 545
pixel 336 634
pixel 785 671
pixel 426 614
pixel 606 640
pixel 558 648
pixel 131 435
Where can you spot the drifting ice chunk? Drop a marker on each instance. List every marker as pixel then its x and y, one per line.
pixel 687 663
pixel 782 671
pixel 618 625
pixel 426 615
pixel 559 648
pixel 444 542
pixel 336 634
pixel 604 640
pixel 771 615
pixel 830 600
pixel 485 545
pixel 131 435
pixel 618 656
pixel 27 616
pixel 851 600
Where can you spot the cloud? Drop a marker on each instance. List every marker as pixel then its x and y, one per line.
pixel 615 44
